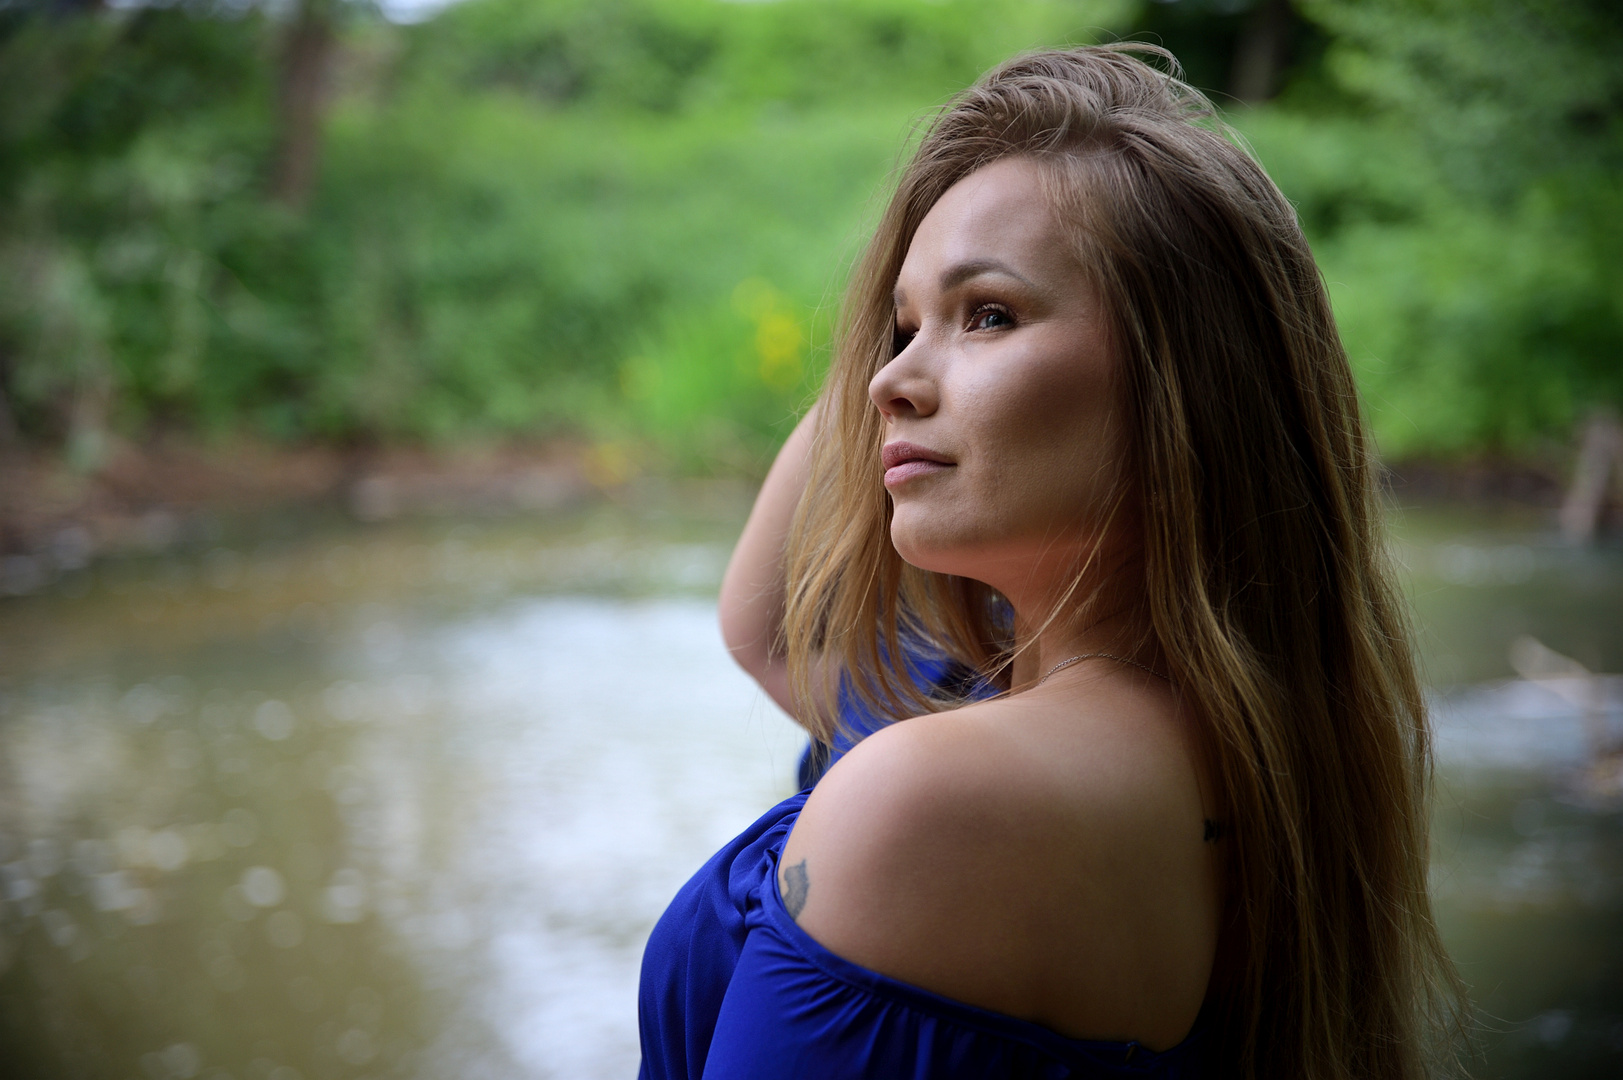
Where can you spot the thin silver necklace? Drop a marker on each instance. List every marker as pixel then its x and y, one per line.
pixel 1069 660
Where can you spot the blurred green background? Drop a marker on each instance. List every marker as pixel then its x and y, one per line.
pixel 629 220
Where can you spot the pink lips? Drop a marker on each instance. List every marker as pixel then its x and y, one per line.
pixel 904 460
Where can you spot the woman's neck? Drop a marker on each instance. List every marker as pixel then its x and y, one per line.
pixel 1105 615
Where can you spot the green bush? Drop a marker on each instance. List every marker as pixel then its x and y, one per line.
pixel 1464 208
pixel 630 219
pixel 530 219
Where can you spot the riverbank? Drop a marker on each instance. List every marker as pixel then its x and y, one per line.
pixel 150 497
pixel 147 498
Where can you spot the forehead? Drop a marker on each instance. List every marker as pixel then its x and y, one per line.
pixel 999 212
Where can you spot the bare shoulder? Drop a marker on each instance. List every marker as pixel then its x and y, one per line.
pixel 1040 857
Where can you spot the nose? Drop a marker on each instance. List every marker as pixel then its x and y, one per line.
pixel 904 387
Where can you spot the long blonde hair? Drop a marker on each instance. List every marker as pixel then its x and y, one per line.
pixel 1265 580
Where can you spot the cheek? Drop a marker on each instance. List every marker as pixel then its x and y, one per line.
pixel 1056 450
pixel 1042 464
pixel 1050 444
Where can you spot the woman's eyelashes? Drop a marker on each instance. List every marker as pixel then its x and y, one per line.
pixel 990 317
pixel 987 316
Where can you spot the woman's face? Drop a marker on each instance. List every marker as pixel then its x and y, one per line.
pixel 1002 428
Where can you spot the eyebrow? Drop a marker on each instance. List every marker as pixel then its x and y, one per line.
pixel 954 276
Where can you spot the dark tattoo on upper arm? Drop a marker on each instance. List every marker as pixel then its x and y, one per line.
pixel 794 888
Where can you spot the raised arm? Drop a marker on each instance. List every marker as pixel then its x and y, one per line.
pixel 752 591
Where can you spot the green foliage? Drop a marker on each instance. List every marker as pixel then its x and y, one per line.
pixel 505 264
pixel 122 142
pixel 1504 93
pixel 530 218
pixel 1467 213
pixel 630 219
pixel 1473 332
pixel 672 56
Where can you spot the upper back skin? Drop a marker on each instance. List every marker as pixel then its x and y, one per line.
pixel 1041 856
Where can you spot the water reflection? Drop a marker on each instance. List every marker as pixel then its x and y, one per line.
pixel 348 823
pixel 533 785
pixel 169 848
pixel 406 801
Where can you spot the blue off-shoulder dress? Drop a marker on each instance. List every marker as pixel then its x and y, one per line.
pixel 733 989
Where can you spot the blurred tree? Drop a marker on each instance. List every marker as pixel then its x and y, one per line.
pixel 304 86
pixel 1493 319
pixel 1244 49
pixel 114 129
pixel 522 217
pixel 1506 92
pixel 1262 50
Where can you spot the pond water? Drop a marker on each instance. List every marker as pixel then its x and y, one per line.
pixel 323 801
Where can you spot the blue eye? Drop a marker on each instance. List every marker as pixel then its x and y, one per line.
pixel 990 317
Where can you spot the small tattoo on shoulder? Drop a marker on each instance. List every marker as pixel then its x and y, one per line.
pixel 1214 830
pixel 794 888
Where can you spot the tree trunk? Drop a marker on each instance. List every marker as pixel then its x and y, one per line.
pixel 1261 51
pixel 88 413
pixel 1600 455
pixel 10 435
pixel 307 59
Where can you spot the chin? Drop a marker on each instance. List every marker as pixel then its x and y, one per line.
pixel 931 545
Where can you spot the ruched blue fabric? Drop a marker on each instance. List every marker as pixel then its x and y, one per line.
pixel 733 989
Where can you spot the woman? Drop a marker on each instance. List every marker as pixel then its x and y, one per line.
pixel 1090 434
